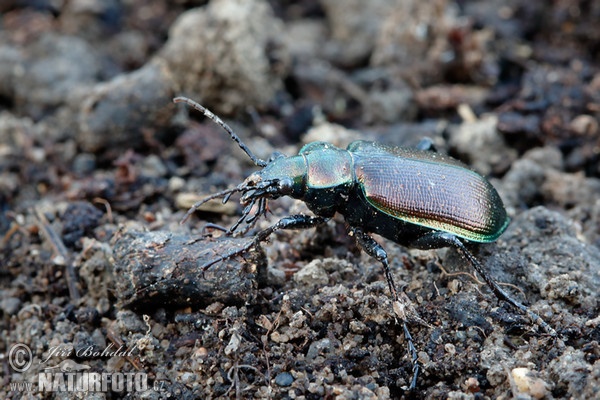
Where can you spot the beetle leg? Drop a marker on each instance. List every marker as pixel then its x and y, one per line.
pixel 210 225
pixel 427 145
pixel 291 222
pixel 438 239
pixel 414 358
pixel 375 250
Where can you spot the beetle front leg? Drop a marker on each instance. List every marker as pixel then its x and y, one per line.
pixel 375 250
pixel 291 222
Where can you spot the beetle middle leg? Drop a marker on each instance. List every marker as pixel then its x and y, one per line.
pixel 375 250
pixel 291 222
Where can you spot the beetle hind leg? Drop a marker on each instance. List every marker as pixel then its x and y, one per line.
pixel 443 239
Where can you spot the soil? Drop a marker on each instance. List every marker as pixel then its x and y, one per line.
pixel 98 167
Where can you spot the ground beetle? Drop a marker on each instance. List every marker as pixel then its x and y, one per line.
pixel 415 197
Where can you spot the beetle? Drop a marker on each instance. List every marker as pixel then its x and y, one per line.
pixel 417 198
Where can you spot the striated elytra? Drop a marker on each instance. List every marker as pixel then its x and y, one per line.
pixel 415 197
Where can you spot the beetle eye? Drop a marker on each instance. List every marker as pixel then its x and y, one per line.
pixel 284 186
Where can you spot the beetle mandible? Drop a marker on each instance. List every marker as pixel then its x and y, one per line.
pixel 417 198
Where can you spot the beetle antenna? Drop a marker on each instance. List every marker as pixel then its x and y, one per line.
pixel 207 113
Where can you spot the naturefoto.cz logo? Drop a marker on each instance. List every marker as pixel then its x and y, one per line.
pixel 70 376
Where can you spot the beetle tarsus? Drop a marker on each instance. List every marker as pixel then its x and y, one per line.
pixel 413 355
pixel 210 225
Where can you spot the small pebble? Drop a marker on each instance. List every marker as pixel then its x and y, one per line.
pixel 10 305
pixel 527 383
pixel 84 164
pixel 284 379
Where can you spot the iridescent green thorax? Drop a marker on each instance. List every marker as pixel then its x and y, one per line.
pixel 329 177
pixel 327 166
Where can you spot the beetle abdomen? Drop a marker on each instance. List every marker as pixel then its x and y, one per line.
pixel 428 189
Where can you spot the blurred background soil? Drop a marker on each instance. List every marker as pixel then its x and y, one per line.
pixel 98 166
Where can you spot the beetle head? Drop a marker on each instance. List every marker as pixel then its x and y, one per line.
pixel 282 176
